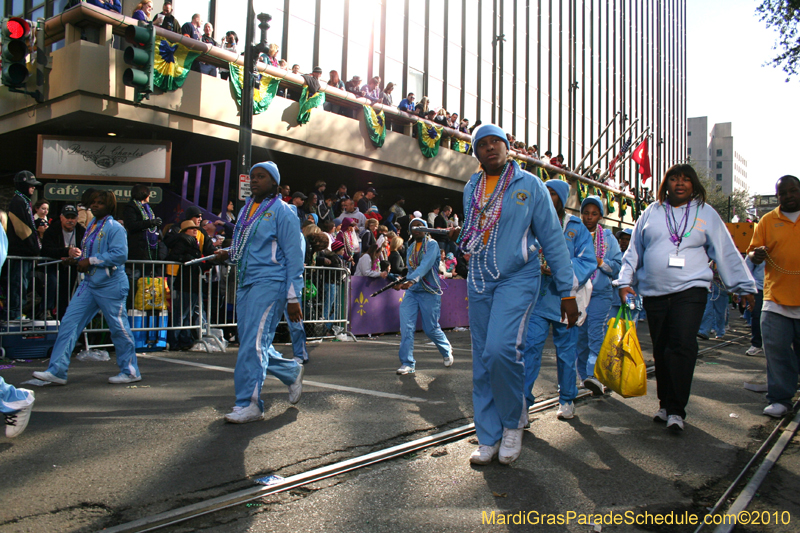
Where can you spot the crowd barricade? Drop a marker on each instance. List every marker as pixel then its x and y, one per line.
pixel 163 305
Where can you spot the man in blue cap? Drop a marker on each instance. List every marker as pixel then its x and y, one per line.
pixel 423 297
pixel 609 261
pixel 269 258
pixel 546 314
pixel 503 284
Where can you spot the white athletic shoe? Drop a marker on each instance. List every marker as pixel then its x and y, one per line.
pixel 296 388
pixel 405 369
pixel 675 422
pixel 594 385
pixel 776 410
pixel 243 415
pixel 47 376
pixel 660 416
pixel 17 422
pixel 448 361
pixel 753 350
pixel 510 446
pixel 122 377
pixel 565 411
pixel 483 455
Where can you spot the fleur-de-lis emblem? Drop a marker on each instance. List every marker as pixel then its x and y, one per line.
pixel 361 301
pixel 466 299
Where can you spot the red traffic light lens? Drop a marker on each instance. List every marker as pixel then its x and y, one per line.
pixel 17 28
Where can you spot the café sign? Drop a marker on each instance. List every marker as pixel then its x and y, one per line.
pixel 72 192
pixel 79 158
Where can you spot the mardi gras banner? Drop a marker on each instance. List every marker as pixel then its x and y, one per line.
pixel 307 104
pixel 171 64
pixel 263 92
pixel 429 138
pixel 381 314
pixel 376 126
pixel 460 146
pixel 610 200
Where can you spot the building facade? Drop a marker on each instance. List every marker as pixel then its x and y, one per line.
pixel 715 152
pixel 551 72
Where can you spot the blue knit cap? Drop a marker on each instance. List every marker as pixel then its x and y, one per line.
pixel 270 167
pixel 486 130
pixel 561 188
pixel 424 222
pixel 593 200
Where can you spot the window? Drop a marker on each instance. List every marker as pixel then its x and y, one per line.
pixel 690 151
pixel 719 164
pixel 719 177
pixel 719 153
pixel 689 134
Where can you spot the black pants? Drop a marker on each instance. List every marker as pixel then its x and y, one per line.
pixel 674 321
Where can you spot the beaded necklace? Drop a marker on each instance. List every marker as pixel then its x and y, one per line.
pixel 542 260
pixel 415 259
pixel 92 235
pixel 241 233
pixel 482 217
pixel 147 214
pixel 30 214
pixel 600 246
pixel 676 233
pixel 350 242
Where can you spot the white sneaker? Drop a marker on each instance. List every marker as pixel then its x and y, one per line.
pixel 17 422
pixel 405 369
pixel 753 350
pixel 47 376
pixel 675 422
pixel 483 455
pixel 594 385
pixel 448 361
pixel 776 410
pixel 243 415
pixel 565 411
pixel 660 416
pixel 296 388
pixel 122 377
pixel 510 446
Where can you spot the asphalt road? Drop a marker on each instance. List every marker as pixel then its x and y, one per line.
pixel 97 455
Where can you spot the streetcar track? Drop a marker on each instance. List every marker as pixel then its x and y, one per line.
pixel 213 505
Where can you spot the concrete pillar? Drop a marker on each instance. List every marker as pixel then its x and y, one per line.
pixel 72 34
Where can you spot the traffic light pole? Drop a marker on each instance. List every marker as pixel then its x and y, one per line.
pixel 246 112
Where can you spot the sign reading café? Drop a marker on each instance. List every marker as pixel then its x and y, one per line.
pixel 80 158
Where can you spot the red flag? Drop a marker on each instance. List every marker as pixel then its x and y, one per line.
pixel 641 156
pixel 612 167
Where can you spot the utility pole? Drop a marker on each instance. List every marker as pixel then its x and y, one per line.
pixel 243 160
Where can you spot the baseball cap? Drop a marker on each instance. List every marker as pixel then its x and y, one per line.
pixel 300 195
pixel 372 190
pixel 69 211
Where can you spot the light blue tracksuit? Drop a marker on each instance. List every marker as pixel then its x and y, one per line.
pixel 11 398
pixel 500 303
pixel 104 288
pixel 273 275
pixel 593 330
pixel 547 313
pixel 716 314
pixel 419 300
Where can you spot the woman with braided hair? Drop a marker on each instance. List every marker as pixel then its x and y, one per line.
pixel 423 296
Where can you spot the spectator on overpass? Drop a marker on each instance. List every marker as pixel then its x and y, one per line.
pixel 143 10
pixel 407 103
pixel 166 19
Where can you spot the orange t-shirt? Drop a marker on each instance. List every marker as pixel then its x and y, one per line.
pixel 780 235
pixel 491 185
pixel 253 209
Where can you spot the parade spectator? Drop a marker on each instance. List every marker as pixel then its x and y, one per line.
pixel 23 240
pixel 369 264
pixel 285 192
pixel 407 103
pixel 715 315
pixel 328 227
pixel 397 208
pixel 298 200
pixel 230 214
pixel 110 5
pixel 192 29
pixel 166 19
pixel 271 57
pixel 333 258
pixel 40 220
pixel 85 215
pixel 104 288
pixel 143 10
pixel 775 242
pixel 319 190
pixel 368 235
pixel 503 286
pixel 386 95
pixel 464 126
pixel 211 229
pixel 365 203
pixel 326 209
pixel 397 264
pixel 431 218
pixel 142 226
pixel 349 209
pixel 184 246
pixel 349 236
pixel 756 340
pixel 229 44
pixel 671 246
pixel 271 282
pixel 283 64
pixel 371 90
pixel 422 107
pixel 208 38
pixel 354 85
pixel 335 81
pixel 62 240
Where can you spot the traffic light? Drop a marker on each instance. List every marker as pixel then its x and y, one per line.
pixel 140 55
pixel 16 35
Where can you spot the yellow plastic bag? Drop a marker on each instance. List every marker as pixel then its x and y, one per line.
pixel 151 294
pixel 620 365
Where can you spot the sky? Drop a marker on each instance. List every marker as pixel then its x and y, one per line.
pixel 728 81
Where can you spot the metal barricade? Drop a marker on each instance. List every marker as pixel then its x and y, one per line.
pixel 163 303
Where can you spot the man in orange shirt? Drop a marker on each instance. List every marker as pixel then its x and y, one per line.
pixel 775 241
